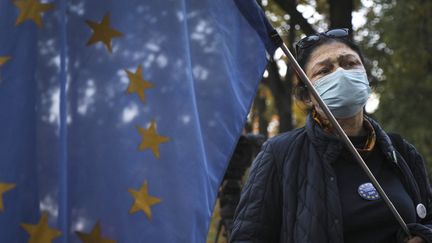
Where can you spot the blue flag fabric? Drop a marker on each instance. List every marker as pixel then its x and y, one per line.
pixel 118 118
pixel 257 20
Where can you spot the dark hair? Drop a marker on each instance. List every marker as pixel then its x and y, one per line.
pixel 300 89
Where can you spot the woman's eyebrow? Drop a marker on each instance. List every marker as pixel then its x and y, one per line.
pixel 347 56
pixel 325 62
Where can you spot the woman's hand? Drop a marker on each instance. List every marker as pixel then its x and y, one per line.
pixel 416 239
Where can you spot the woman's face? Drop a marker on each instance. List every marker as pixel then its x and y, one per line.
pixel 328 57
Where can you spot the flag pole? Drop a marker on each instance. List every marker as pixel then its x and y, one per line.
pixel 278 40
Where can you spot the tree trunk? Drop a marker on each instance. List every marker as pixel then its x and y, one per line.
pixel 283 96
pixel 260 108
pixel 340 13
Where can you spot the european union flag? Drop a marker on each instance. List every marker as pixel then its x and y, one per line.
pixel 118 118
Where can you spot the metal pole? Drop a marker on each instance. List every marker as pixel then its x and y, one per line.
pixel 343 136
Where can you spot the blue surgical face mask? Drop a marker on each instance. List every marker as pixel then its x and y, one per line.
pixel 345 92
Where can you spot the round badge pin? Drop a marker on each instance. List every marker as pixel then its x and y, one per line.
pixel 421 210
pixel 367 191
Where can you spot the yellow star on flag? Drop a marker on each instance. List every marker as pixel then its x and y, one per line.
pixel 4 60
pixel 4 187
pixel 143 201
pixel 102 32
pixel 95 236
pixel 41 232
pixel 31 10
pixel 137 84
pixel 151 139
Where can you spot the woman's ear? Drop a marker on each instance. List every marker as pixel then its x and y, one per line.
pixel 308 103
pixel 307 99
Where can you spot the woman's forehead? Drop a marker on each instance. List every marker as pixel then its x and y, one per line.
pixel 330 51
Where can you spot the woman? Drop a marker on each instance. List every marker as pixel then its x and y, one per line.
pixel 305 186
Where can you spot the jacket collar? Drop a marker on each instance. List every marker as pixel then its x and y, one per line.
pixel 384 141
pixel 324 141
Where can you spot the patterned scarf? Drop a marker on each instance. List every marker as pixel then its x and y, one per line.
pixel 371 138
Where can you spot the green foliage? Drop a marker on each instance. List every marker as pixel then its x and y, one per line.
pixel 399 37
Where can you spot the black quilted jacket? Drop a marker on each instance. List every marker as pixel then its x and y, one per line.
pixel 292 196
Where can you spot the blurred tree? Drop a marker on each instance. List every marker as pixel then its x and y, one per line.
pixel 398 34
pixel 341 13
